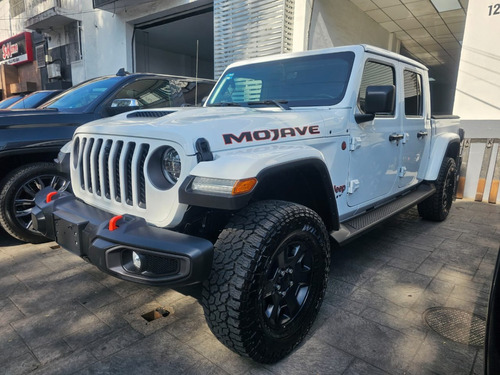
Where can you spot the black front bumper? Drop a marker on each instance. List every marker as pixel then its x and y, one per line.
pixel 132 250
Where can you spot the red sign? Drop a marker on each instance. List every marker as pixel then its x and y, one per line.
pixel 17 49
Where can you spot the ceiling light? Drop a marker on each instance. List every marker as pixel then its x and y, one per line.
pixel 446 5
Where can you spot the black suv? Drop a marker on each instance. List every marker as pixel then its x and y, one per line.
pixel 31 139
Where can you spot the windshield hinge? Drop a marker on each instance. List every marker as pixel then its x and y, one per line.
pixel 355 143
pixel 203 150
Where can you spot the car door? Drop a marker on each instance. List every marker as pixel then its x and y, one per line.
pixel 416 126
pixel 375 155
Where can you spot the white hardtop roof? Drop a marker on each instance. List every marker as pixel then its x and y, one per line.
pixel 360 48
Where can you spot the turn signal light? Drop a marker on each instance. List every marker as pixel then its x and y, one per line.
pixel 244 186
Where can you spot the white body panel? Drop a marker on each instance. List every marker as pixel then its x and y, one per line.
pixel 365 167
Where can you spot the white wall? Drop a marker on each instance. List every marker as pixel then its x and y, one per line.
pixel 478 84
pixel 340 22
pixel 104 42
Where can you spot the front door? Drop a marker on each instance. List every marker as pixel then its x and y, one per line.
pixel 374 158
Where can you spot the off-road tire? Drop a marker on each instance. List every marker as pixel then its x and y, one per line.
pixel 268 279
pixel 33 177
pixel 437 206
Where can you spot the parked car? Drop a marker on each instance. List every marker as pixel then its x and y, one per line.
pixel 244 196
pixel 34 99
pixel 4 104
pixel 30 139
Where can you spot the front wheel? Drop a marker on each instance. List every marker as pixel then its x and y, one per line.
pixel 437 206
pixel 17 197
pixel 268 279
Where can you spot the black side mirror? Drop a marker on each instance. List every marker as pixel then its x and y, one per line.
pixel 378 100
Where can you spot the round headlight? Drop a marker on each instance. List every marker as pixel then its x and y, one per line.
pixel 171 165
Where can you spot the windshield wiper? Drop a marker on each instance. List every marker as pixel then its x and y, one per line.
pixel 278 103
pixel 225 104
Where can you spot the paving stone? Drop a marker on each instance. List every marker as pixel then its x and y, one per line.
pixel 380 346
pixel 404 264
pixel 368 298
pixel 68 364
pixel 205 367
pixel 359 367
pixel 434 295
pixel 311 355
pixel 190 328
pixel 9 285
pixel 478 368
pixel 488 241
pixel 347 304
pixel 42 329
pixel 398 286
pixel 11 344
pixel 407 327
pixel 19 365
pixel 113 313
pixel 52 351
pixel 9 312
pixel 225 358
pixel 114 342
pixel 438 355
pixel 405 252
pixel 430 267
pixel 87 336
pixel 159 353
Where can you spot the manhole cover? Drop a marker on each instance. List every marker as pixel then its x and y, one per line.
pixel 457 325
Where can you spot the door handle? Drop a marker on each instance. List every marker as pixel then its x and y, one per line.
pixel 422 134
pixel 395 137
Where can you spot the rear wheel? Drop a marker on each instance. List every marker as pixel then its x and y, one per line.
pixel 437 206
pixel 17 197
pixel 268 279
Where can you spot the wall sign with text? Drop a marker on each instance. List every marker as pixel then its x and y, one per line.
pixel 17 49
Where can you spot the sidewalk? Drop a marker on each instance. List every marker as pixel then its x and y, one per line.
pixel 60 315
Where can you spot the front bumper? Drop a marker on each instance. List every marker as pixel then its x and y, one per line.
pixel 132 250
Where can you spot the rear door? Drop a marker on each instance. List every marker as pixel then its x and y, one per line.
pixel 416 126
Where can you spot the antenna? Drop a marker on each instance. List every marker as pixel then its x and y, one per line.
pixel 196 77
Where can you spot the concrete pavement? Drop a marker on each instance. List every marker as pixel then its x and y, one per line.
pixel 60 315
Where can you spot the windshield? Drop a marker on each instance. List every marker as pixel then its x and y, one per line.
pixel 7 102
pixel 78 98
pixel 31 100
pixel 305 81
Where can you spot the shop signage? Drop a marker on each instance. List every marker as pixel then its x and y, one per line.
pixel 17 49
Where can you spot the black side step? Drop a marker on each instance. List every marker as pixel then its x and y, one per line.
pixel 354 227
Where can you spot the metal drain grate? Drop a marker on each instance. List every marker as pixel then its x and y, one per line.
pixel 457 325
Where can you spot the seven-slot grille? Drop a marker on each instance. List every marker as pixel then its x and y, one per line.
pixel 112 169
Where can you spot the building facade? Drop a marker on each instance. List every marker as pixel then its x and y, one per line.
pixel 75 40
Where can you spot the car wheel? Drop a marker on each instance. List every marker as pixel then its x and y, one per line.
pixel 437 206
pixel 268 279
pixel 17 197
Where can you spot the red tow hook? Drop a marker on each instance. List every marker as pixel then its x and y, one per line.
pixel 112 223
pixel 49 196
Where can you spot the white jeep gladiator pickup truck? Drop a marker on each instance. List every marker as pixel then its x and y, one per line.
pixel 245 196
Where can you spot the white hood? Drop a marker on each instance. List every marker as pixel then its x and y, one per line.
pixel 225 128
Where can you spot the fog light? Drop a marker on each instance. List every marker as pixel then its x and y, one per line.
pixel 136 260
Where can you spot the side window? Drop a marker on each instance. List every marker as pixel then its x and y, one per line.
pixel 375 74
pixel 413 93
pixel 152 93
